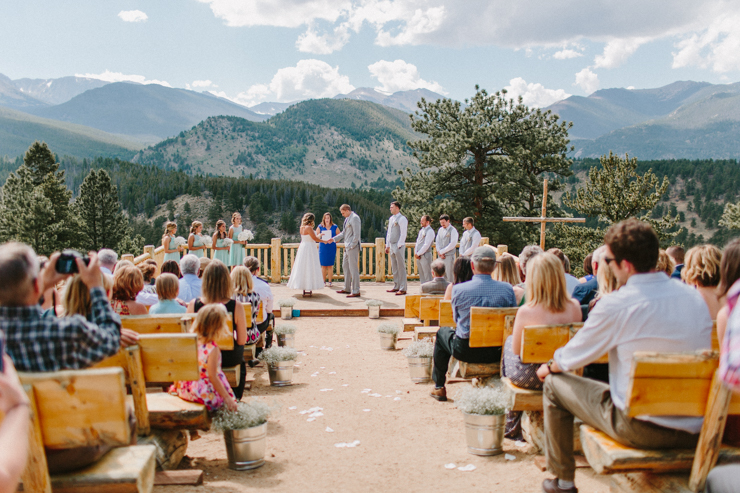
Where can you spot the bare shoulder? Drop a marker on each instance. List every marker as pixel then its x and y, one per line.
pixel 575 307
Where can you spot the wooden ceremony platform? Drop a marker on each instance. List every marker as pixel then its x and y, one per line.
pixel 328 303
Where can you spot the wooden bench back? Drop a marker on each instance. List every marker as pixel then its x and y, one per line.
pixel 78 408
pixel 487 326
pixel 715 338
pixel 445 314
pixel 539 342
pixel 225 340
pixel 153 324
pixel 411 308
pixel 429 308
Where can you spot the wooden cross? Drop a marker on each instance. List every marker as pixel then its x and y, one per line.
pixel 544 219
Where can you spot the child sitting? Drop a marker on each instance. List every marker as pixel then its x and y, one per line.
pixel 167 289
pixel 213 389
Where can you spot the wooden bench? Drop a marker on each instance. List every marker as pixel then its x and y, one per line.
pixel 84 408
pixel 487 328
pixel 445 314
pixel 411 312
pixel 668 384
pixel 429 309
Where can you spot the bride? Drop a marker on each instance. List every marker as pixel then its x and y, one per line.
pixel 306 272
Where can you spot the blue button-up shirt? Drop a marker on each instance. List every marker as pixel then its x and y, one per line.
pixel 190 286
pixel 482 290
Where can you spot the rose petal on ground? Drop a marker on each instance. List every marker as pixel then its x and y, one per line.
pixel 329 430
pixel 509 457
pixel 311 419
pixel 450 466
pixel 322 367
pixel 399 392
pixel 340 445
pixel 520 444
pixel 345 385
pixel 469 467
pixel 317 414
pixel 332 373
pixel 366 410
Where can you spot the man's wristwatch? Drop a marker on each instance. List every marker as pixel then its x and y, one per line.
pixel 549 365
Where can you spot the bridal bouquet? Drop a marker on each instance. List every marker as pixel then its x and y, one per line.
pixel 206 240
pixel 245 235
pixel 228 242
pixel 178 242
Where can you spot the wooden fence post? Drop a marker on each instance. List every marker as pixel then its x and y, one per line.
pixel 484 241
pixel 149 250
pixel 380 259
pixel 128 256
pixel 501 249
pixel 275 261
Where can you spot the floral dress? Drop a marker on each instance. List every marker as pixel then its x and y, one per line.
pixel 202 391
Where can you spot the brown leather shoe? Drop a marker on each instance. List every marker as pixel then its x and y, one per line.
pixel 439 394
pixel 391 290
pixel 342 291
pixel 400 293
pixel 356 295
pixel 551 486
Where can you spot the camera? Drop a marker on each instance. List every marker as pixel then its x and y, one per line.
pixel 66 263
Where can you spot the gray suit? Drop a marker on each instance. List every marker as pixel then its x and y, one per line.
pixel 350 265
pixel 423 249
pixel 397 234
pixel 438 285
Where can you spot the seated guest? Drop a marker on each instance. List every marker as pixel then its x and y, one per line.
pixel 127 283
pixel 676 252
pixel 190 284
pixel 570 281
pixel 172 267
pixel 650 312
pixel 108 259
pixel 204 261
pixel 482 290
pixel 14 429
pixel 167 289
pixel 245 294
pixel 438 284
pixel 461 272
pixel 507 271
pixel 51 299
pixel 608 283
pixel 665 263
pixel 701 271
pixel 587 290
pixel 122 264
pixel 262 288
pixel 148 295
pixel 729 272
pixel 587 268
pixel 527 254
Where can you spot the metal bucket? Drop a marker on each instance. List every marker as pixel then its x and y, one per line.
pixel 281 373
pixel 286 312
pixel 374 311
pixel 485 433
pixel 286 340
pixel 420 369
pixel 245 449
pixel 388 341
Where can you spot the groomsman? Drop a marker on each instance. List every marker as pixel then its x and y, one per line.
pixel 423 249
pixel 446 242
pixel 470 238
pixel 395 240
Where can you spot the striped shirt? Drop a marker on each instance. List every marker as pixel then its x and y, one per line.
pixel 482 290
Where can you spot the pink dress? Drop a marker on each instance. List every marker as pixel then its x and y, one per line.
pixel 202 391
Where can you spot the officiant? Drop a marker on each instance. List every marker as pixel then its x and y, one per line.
pixel 327 251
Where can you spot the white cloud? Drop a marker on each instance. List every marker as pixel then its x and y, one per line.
pixel 534 94
pixel 717 47
pixel 400 76
pixel 132 16
pixel 109 76
pixel 564 54
pixel 617 51
pixel 279 13
pixel 323 44
pixel 588 80
pixel 203 83
pixel 308 79
pixel 422 22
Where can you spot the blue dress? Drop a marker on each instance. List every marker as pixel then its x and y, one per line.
pixel 174 255
pixel 222 255
pixel 328 252
pixel 197 243
pixel 236 257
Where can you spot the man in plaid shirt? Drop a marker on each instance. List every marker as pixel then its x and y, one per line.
pixel 38 343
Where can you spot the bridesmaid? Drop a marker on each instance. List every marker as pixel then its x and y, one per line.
pixel 237 249
pixel 221 251
pixel 327 251
pixel 195 246
pixel 170 228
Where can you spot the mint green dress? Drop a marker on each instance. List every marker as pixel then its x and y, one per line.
pixel 197 243
pixel 236 256
pixel 222 255
pixel 172 256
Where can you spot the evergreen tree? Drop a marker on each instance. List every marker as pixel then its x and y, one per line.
pixel 288 223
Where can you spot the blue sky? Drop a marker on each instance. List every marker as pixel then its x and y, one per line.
pixel 283 50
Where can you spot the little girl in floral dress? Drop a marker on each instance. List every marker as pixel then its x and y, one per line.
pixel 213 389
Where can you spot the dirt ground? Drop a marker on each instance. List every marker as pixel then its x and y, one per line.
pixel 405 436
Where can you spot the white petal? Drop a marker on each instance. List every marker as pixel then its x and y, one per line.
pixel 329 430
pixel 469 467
pixel 450 466
pixel 509 457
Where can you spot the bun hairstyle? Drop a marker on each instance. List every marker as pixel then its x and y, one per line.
pixel 220 223
pixel 169 226
pixel 194 227
pixel 234 216
pixel 308 218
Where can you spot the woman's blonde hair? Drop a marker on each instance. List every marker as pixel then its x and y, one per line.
pixel 168 286
pixel 546 283
pixel 220 223
pixel 127 283
pixel 331 220
pixel 701 266
pixel 665 263
pixel 242 279
pixel 506 271
pixel 168 226
pixel 76 299
pixel 607 281
pixel 194 227
pixel 211 321
pixel 234 216
pixel 217 285
pixel 308 218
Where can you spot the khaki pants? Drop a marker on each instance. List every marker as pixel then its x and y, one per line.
pixel 565 396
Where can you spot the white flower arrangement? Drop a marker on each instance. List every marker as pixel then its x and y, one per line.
pixel 178 242
pixel 285 329
pixel 206 240
pixel 373 303
pixel 245 235
pixel 419 349
pixel 228 242
pixel 286 302
pixel 392 329
pixel 248 415
pixel 489 400
pixel 277 354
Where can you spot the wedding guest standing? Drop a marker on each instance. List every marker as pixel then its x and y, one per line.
pixel 220 249
pixel 236 257
pixel 195 244
pixel 470 238
pixel 327 251
pixel 423 249
pixel 395 240
pixel 170 228
pixel 446 243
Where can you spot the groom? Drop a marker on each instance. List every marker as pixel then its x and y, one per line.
pixel 351 235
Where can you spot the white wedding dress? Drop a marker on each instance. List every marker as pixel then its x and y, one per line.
pixel 306 272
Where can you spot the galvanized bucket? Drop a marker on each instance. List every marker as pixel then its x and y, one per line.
pixel 287 340
pixel 485 433
pixel 388 341
pixel 245 449
pixel 281 373
pixel 374 311
pixel 420 369
pixel 286 312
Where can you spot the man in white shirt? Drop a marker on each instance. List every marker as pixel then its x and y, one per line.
pixel 190 284
pixel 648 313
pixel 446 243
pixel 423 249
pixel 395 240
pixel 470 238
pixel 108 260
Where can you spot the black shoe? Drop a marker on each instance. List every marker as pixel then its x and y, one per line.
pixel 253 362
pixel 551 486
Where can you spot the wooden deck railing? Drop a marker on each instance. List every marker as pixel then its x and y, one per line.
pixel 277 259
